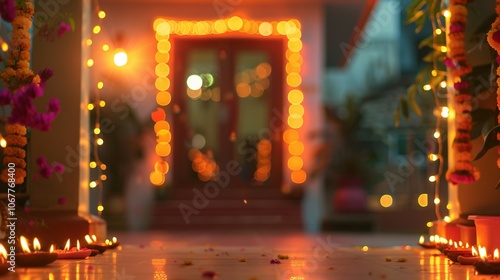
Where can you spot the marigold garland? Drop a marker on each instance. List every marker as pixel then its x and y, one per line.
pixel 494 41
pixel 17 74
pixel 457 62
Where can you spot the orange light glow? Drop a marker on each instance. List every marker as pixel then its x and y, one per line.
pixel 66 247
pixel 24 245
pixel 474 252
pixel 290 29
pixel 298 176
pixel 36 244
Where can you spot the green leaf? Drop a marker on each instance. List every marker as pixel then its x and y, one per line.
pixel 412 92
pixel 420 22
pixel 71 23
pixel 415 17
pixel 404 108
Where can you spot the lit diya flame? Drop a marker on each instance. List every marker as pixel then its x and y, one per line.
pixel 474 252
pixel 3 252
pixel 51 248
pixel 66 247
pixel 88 239
pixel 421 240
pixel 431 238
pixel 482 253
pixel 467 245
pixel 24 245
pixel 495 254
pixel 36 244
pixel 78 245
pixel 94 238
pixel 114 239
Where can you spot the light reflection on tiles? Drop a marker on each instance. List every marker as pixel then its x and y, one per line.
pixel 163 258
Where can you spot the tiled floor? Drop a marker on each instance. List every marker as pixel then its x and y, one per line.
pixel 234 256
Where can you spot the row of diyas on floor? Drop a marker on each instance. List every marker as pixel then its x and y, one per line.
pixel 33 256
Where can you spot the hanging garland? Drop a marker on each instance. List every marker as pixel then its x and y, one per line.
pixel 457 62
pixel 17 74
pixel 494 41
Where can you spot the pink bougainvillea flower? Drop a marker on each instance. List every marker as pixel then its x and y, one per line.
pixel 496 36
pixel 63 28
pixel 46 171
pixel 58 168
pixel 8 10
pixel 45 75
pixel 54 106
pixel 5 97
pixel 41 160
pixel 61 201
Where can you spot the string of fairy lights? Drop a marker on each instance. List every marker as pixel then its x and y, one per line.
pixel 95 106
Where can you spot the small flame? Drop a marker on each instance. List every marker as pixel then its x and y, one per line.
pixel 474 252
pixel 495 254
pixel 455 245
pixel 51 248
pixel 88 239
pixel 443 240
pixel 431 238
pixel 114 239
pixel 467 245
pixel 460 244
pixel 24 245
pixel 450 242
pixel 36 244
pixel 421 240
pixel 3 252
pixel 66 247
pixel 94 237
pixel 482 252
pixel 78 245
pixel 107 242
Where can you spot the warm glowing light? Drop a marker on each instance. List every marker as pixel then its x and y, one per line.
pixel 444 49
pixel 194 82
pixel 93 164
pixel 438 31
pixel 235 23
pixel 437 200
pixel 443 84
pixel 24 245
pixel 120 58
pixel 445 112
pixel 99 141
pixel 474 252
pixel 5 47
pixel 446 13
pixel 93 184
pixel 105 47
pixel 3 252
pixel 100 208
pixel 386 200
pixel 100 85
pixel 365 248
pixel 433 157
pixel 423 200
pixel 448 206
pixel 67 246
pixel 265 29
pixel 3 142
pixel 88 239
pixel 156 178
pixel 96 29
pixel 437 134
pixel 427 87
pixel 432 178
pixel 434 73
pixel 421 240
pixel 90 62
pixel 429 224
pixel 447 219
pixel 298 176
pixel 432 238
pixel 36 244
pixel 114 239
pixel 90 107
pixel 89 42
pixel 101 14
pixel 97 130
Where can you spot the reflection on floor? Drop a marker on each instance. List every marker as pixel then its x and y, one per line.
pixel 248 255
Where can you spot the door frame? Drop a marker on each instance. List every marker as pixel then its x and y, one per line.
pixel 180 48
